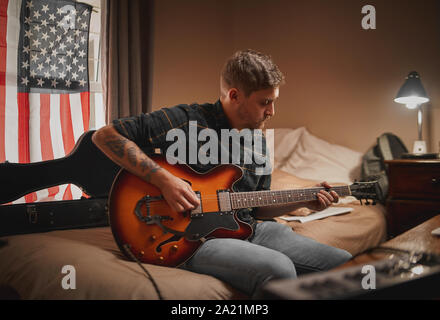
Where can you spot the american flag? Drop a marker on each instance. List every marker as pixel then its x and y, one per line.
pixel 44 85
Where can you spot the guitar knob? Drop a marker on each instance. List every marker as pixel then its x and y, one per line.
pixel 175 247
pixel 153 238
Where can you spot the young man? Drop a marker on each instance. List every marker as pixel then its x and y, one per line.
pixel 249 86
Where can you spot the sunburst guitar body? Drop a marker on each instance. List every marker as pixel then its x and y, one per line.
pixel 143 222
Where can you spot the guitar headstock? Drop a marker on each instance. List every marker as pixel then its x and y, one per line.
pixel 366 191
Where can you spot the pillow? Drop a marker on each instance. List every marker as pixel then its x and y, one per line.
pixel 316 159
pixel 285 141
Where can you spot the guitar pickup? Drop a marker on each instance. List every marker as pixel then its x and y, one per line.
pixel 197 212
pixel 224 200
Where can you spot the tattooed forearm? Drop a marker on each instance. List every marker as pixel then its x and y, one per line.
pixel 147 164
pixel 116 145
pixel 153 170
pixel 132 157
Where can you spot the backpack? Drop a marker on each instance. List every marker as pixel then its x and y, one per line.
pixel 388 147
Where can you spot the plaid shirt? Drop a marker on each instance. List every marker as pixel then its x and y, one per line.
pixel 149 131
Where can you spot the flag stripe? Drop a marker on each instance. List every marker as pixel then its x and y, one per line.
pixel 3 53
pixel 46 140
pixel 76 115
pixel 68 134
pixel 85 105
pixel 11 110
pixel 66 123
pixel 23 127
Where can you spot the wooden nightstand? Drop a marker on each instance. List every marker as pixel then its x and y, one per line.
pixel 414 193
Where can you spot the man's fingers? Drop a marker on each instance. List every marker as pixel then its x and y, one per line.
pixel 192 198
pixel 324 200
pixel 335 196
pixel 327 195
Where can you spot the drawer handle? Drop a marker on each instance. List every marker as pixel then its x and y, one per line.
pixel 435 181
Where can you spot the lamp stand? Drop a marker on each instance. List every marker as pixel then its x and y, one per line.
pixel 419 145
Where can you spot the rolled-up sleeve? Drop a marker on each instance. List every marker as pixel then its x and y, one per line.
pixel 150 129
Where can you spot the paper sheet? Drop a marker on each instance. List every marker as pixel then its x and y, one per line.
pixel 331 211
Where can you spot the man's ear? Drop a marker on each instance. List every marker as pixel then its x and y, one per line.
pixel 234 95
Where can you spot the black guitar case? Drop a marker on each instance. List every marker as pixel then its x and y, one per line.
pixel 85 166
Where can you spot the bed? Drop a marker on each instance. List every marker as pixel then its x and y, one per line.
pixel 32 266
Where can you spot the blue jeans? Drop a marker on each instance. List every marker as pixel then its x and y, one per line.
pixel 275 252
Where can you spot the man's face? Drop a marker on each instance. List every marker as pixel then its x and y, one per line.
pixel 255 110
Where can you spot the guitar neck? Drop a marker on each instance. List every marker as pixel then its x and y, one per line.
pixel 252 199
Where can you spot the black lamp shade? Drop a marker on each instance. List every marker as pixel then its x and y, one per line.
pixel 412 88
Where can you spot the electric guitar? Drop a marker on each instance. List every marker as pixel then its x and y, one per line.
pixel 147 229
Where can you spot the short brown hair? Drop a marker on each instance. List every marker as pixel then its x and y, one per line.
pixel 251 71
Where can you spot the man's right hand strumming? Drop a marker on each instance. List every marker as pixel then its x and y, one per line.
pixel 178 193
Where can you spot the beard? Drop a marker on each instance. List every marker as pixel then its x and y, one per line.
pixel 251 123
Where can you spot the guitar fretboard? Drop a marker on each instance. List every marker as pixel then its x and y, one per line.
pixel 266 198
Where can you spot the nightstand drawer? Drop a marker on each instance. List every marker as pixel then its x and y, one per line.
pixel 403 215
pixel 409 181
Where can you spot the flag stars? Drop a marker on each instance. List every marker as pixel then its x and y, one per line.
pixel 36 43
pixel 53 53
pixel 28 33
pixel 45 8
pixel 34 58
pixel 37 14
pixel 24 81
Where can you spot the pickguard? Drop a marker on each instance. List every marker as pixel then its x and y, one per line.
pixel 202 226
